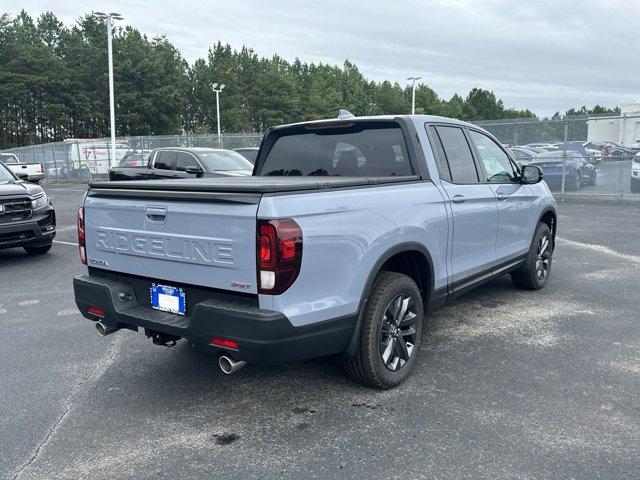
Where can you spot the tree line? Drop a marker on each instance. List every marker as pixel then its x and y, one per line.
pixel 54 85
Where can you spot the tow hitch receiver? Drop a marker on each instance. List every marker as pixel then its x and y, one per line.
pixel 159 338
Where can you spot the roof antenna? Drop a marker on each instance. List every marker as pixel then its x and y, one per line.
pixel 343 114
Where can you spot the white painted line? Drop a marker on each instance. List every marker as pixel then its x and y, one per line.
pixel 65 243
pixel 601 249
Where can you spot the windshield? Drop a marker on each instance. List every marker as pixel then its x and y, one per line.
pixel 354 150
pixel 220 161
pixel 5 174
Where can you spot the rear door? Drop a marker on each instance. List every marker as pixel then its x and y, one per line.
pixel 206 243
pixel 473 205
pixel 516 212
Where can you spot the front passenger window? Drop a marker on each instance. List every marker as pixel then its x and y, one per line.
pixel 497 166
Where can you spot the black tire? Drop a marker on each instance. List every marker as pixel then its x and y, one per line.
pixel 369 365
pixel 37 250
pixel 529 275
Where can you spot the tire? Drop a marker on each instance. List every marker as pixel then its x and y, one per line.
pixel 38 250
pixel 375 364
pixel 529 276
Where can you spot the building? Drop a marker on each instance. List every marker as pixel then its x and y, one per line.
pixel 624 129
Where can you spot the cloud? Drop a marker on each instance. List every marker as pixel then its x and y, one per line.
pixel 544 55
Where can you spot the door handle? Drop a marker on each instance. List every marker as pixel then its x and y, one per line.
pixel 157 214
pixel 502 197
pixel 459 199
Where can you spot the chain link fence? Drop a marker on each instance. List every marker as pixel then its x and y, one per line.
pixel 84 159
pixel 580 156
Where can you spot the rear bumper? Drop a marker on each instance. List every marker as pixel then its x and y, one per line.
pixel 264 336
pixel 38 231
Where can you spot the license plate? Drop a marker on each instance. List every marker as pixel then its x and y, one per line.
pixel 168 299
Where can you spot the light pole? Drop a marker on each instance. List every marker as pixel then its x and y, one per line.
pixel 413 93
pixel 110 17
pixel 218 89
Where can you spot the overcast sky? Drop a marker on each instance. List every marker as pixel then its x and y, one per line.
pixel 543 55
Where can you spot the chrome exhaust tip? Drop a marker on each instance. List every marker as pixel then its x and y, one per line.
pixel 228 365
pixel 104 329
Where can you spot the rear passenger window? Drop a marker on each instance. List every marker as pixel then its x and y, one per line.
pixel 458 155
pixel 186 160
pixel 165 160
pixel 441 158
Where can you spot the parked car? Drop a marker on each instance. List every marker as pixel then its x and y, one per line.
pixel 27 218
pixel 135 159
pixel 34 171
pixel 533 149
pixel 635 174
pixel 194 162
pixel 578 171
pixel 542 145
pixel 250 153
pixel 523 155
pixel 338 244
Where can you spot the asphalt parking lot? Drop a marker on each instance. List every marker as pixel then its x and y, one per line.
pixel 509 384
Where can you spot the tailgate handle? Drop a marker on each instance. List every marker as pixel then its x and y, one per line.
pixel 157 214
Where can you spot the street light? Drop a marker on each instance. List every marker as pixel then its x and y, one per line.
pixel 413 93
pixel 110 17
pixel 218 89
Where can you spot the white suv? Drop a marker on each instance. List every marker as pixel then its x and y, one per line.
pixel 635 174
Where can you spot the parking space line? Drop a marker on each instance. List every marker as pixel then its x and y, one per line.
pixel 65 243
pixel 601 249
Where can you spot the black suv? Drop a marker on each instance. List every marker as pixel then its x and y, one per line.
pixel 27 218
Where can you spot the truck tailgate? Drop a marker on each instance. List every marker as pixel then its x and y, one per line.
pixel 206 243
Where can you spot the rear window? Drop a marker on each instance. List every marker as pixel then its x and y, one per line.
pixel 355 150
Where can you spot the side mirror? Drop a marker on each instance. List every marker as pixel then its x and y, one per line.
pixel 194 170
pixel 22 176
pixel 531 174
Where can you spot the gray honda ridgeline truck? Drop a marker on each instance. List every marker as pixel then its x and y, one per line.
pixel 345 235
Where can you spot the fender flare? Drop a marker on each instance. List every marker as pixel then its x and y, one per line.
pixel 364 298
pixel 555 214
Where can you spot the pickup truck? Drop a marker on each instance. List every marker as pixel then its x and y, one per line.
pixel 193 162
pixel 346 235
pixel 33 171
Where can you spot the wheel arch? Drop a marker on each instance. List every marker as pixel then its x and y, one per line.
pixel 425 284
pixel 550 217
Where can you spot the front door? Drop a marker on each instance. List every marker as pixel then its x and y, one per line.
pixel 516 215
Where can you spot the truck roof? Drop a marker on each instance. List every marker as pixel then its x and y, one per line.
pixel 416 119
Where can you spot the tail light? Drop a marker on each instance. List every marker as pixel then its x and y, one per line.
pixel 81 237
pixel 279 255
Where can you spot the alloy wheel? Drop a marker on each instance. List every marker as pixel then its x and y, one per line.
pixel 544 258
pixel 398 333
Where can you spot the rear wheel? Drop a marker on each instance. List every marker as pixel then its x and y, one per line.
pixel 534 272
pixel 390 332
pixel 37 250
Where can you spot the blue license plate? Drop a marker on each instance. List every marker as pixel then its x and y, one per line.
pixel 168 299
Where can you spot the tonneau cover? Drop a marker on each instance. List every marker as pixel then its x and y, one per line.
pixel 256 185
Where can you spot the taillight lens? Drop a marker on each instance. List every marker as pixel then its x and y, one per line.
pixel 81 237
pixel 279 254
